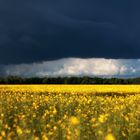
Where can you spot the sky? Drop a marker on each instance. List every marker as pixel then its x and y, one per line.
pixel 70 38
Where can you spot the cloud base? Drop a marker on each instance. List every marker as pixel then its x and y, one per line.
pixel 100 67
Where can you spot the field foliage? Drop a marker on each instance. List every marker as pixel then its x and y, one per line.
pixel 69 112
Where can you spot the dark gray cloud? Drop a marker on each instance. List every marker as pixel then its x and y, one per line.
pixel 34 31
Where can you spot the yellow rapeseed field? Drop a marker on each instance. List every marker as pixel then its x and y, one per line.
pixel 69 112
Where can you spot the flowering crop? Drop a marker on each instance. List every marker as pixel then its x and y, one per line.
pixel 69 112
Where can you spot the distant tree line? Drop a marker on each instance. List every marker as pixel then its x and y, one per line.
pixel 68 80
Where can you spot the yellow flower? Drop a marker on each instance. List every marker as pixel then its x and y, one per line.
pixel 44 137
pixel 54 111
pixel 93 120
pixel 109 137
pixel 100 132
pixel 19 130
pixel 3 133
pixel 102 118
pixel 54 128
pixel 6 126
pixel 74 121
pixel 28 131
pixel 36 138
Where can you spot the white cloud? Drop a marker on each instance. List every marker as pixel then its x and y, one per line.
pixel 77 67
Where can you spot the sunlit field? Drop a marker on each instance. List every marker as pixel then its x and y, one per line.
pixel 69 112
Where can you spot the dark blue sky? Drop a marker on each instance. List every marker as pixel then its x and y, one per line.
pixel 41 30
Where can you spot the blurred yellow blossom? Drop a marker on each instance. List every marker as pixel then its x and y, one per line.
pixel 109 137
pixel 74 120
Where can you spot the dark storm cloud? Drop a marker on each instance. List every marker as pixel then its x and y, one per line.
pixel 33 31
